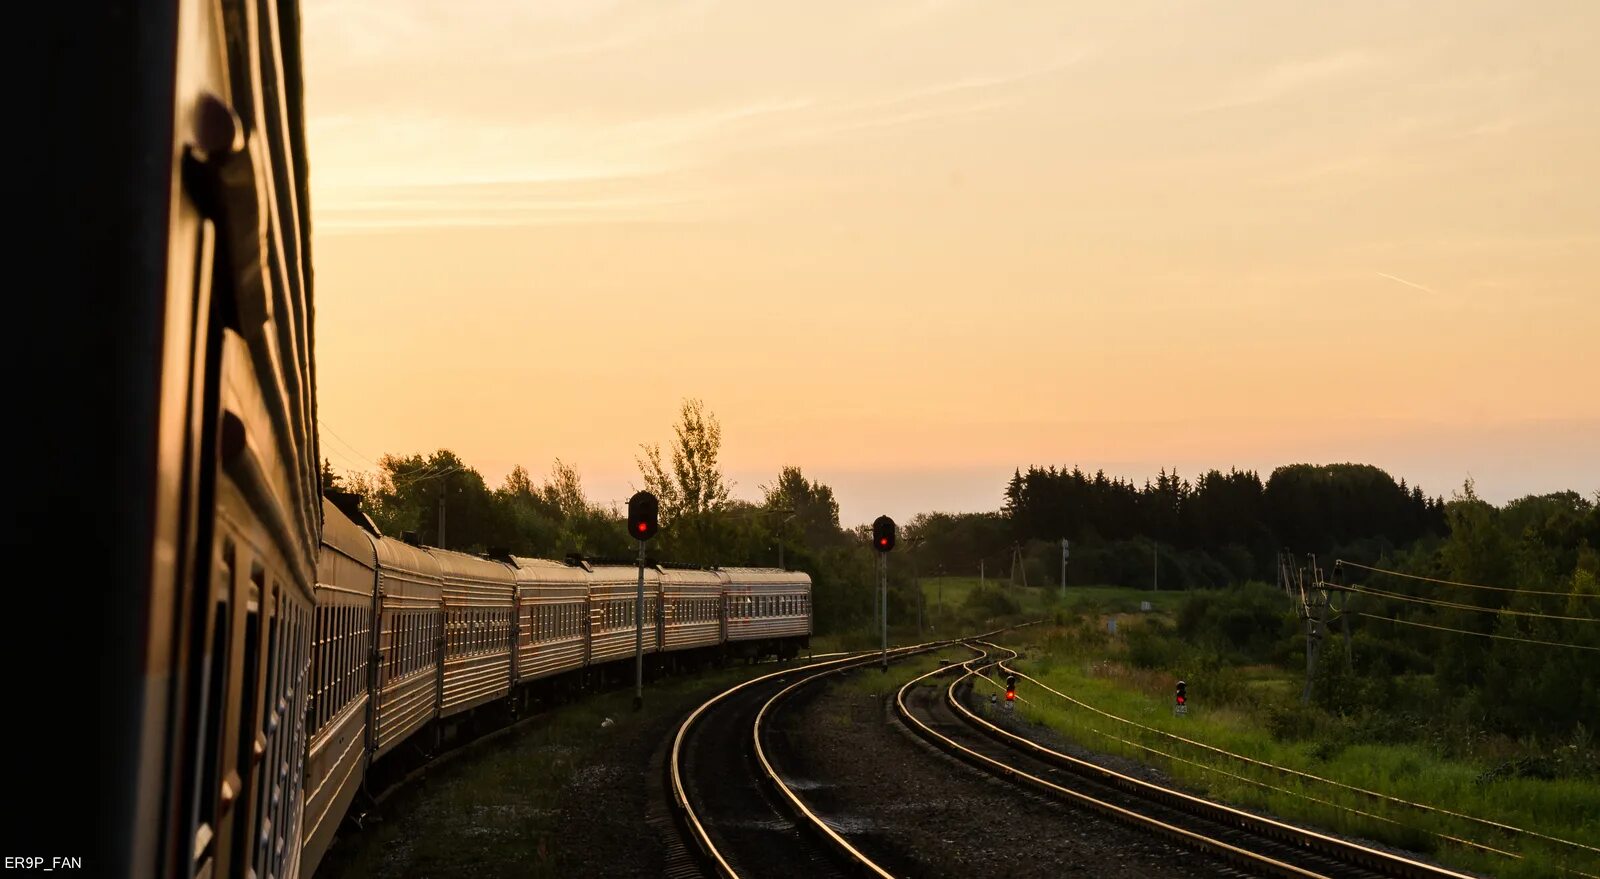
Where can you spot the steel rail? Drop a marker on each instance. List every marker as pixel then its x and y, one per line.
pixel 1240 856
pixel 1340 849
pixel 692 822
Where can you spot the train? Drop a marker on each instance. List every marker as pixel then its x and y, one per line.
pixel 210 655
pixel 410 642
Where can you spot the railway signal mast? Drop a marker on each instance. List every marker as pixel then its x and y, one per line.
pixel 1011 692
pixel 883 542
pixel 642 525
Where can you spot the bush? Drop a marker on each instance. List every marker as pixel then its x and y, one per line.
pixel 988 602
pixel 1246 622
pixel 1152 646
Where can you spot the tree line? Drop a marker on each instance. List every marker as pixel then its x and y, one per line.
pixel 446 502
pixel 1222 529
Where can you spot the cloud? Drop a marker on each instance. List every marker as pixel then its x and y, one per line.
pixel 1400 280
pixel 1287 79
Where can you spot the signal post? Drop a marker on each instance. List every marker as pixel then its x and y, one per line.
pixel 883 541
pixel 643 509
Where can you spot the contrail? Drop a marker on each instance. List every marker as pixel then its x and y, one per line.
pixel 1408 283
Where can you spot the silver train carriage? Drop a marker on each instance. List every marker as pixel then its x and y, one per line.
pixel 165 370
pixel 767 610
pixel 409 639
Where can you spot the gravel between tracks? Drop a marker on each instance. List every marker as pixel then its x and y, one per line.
pixel 921 813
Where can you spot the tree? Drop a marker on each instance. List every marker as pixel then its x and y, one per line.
pixel 701 487
pixel 810 506
pixel 330 480
pixel 695 485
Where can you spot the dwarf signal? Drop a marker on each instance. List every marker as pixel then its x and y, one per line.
pixel 1180 697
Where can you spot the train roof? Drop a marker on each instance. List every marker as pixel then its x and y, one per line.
pixel 763 576
pixel 548 571
pixel 346 537
pixel 400 556
pixel 689 576
pixel 609 573
pixel 463 566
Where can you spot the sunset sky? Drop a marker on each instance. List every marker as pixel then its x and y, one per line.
pixel 910 246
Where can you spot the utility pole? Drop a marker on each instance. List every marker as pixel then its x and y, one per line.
pixel 1155 564
pixel 444 486
pixel 1063 567
pixel 916 582
pixel 980 573
pixel 1316 605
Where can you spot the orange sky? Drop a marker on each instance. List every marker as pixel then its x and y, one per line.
pixel 912 245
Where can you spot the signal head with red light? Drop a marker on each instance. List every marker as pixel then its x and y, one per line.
pixel 642 511
pixel 883 534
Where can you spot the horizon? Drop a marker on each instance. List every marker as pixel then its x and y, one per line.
pixel 910 245
pixel 862 493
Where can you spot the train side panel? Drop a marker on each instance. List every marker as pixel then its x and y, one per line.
pixel 612 599
pixel 410 643
pixel 691 612
pixel 553 608
pixel 766 604
pixel 341 651
pixel 479 603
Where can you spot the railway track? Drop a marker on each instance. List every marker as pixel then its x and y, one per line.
pixel 1251 843
pixel 733 807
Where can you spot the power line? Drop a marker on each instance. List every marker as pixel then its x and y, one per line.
pixel 1479 634
pixel 418 476
pixel 347 444
pixel 1367 590
pixel 1466 585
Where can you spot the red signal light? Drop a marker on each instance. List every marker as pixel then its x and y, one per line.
pixel 1181 700
pixel 1011 695
pixel 883 541
pixel 643 526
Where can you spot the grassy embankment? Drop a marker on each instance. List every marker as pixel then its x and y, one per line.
pixel 1254 711
pixel 496 811
pixel 953 607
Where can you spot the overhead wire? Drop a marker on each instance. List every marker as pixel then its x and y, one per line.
pixel 346 443
pixel 1479 634
pixel 1466 585
pixel 1437 602
pixel 428 472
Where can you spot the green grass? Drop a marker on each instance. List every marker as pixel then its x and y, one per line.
pixel 1240 719
pixel 946 597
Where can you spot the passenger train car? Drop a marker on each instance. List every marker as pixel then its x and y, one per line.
pixel 167 483
pixel 216 658
pixel 411 642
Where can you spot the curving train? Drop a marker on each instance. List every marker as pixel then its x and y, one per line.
pixel 409 642
pixel 207 702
